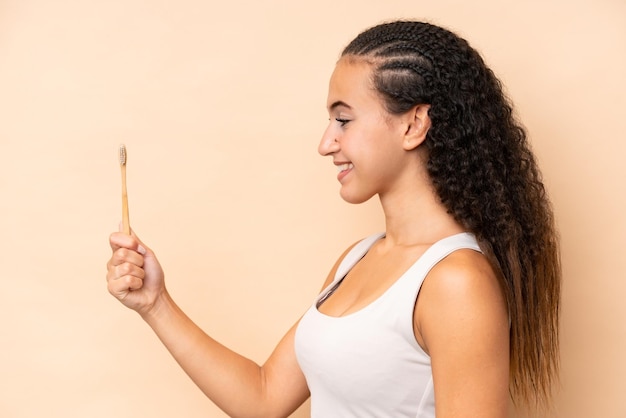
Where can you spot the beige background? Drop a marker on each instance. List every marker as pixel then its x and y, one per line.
pixel 221 106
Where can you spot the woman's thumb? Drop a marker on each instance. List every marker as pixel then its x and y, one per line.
pixel 141 247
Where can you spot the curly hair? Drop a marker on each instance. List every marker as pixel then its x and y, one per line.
pixel 485 174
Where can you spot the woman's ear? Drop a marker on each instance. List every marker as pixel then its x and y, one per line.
pixel 418 126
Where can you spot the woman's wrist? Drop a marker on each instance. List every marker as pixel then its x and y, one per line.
pixel 162 306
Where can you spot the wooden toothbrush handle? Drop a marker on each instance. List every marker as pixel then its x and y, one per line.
pixel 125 217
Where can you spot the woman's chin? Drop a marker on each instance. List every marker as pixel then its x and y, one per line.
pixel 354 198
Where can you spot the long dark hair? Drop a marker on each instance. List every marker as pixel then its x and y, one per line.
pixel 485 174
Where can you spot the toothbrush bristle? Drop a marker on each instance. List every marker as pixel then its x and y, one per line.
pixel 122 154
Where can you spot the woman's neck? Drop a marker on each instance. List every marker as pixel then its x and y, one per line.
pixel 416 216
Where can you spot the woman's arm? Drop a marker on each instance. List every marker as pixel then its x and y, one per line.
pixel 236 384
pixel 462 322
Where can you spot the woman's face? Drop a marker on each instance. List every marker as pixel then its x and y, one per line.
pixel 364 140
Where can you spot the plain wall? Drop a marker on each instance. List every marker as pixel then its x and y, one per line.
pixel 221 105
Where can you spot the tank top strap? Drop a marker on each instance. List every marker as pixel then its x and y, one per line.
pixel 355 254
pixel 411 281
pixel 444 247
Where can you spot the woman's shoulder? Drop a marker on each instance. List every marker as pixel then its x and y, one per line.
pixel 461 292
pixel 463 274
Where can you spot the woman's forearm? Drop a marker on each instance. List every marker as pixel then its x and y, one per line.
pixel 231 381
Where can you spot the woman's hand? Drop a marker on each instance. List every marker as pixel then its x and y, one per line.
pixel 134 275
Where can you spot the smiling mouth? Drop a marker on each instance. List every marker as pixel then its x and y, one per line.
pixel 344 167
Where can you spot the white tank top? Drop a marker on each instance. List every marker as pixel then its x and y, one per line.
pixel 368 363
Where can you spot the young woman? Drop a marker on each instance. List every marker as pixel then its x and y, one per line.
pixel 450 311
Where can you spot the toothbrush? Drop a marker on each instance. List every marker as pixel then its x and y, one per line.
pixel 125 220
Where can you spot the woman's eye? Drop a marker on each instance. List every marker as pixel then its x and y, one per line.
pixel 343 122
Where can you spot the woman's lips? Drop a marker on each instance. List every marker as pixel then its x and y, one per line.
pixel 344 169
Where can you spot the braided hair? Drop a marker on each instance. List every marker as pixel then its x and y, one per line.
pixel 485 174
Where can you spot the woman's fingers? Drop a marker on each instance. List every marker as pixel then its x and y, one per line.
pixel 119 240
pixel 128 269
pixel 120 286
pixel 124 268
pixel 124 255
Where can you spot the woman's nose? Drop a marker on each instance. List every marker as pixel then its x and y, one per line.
pixel 328 144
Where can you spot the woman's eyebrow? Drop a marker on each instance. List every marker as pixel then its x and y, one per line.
pixel 337 104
